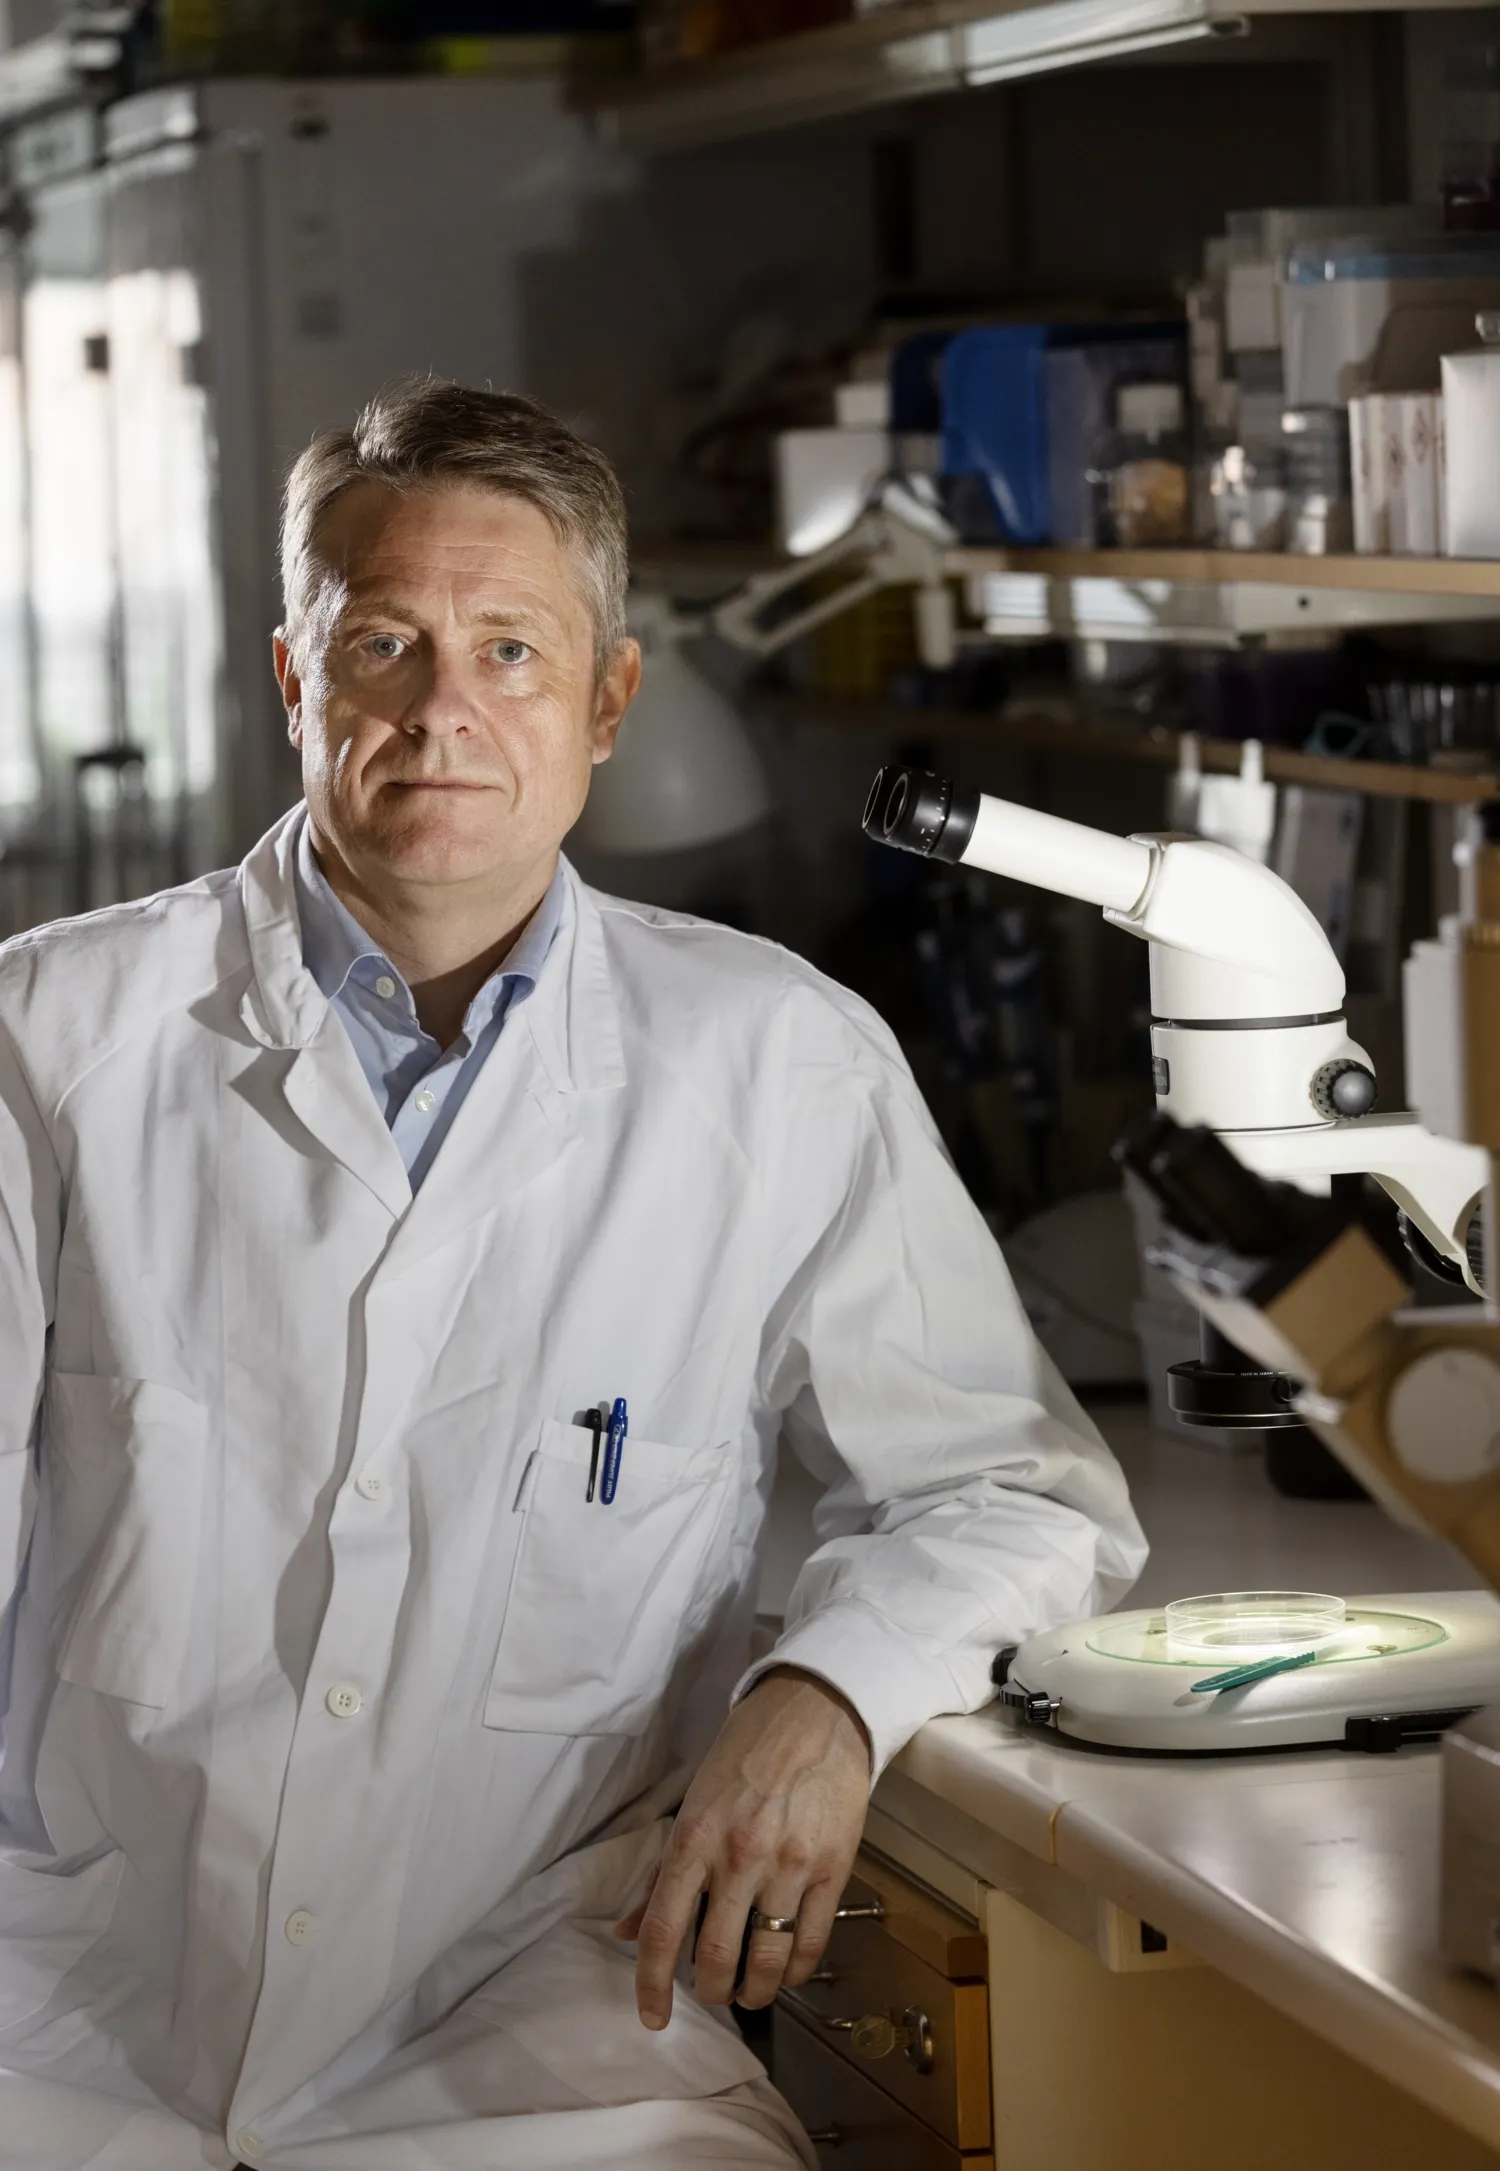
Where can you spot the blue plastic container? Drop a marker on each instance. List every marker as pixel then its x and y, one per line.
pixel 1025 407
pixel 995 423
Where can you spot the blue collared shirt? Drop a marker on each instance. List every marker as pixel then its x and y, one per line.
pixel 420 1087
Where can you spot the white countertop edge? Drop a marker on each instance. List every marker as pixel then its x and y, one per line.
pixel 1370 2020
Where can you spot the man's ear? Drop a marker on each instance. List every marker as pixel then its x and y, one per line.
pixel 617 689
pixel 289 680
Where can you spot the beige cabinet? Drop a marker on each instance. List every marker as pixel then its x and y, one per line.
pixel 1048 2030
pixel 1175 2068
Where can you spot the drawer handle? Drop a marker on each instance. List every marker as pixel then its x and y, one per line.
pixel 865 1911
pixel 826 2136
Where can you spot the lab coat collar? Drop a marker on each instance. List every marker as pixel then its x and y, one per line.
pixel 283 1007
pixel 578 1032
pixel 572 1015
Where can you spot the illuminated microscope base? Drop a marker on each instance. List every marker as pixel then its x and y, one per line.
pixel 1114 1683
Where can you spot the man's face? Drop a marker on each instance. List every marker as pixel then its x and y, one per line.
pixel 444 695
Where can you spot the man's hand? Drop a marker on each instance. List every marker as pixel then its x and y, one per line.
pixel 772 1820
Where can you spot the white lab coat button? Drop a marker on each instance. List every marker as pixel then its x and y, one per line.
pixel 385 987
pixel 370 1485
pixel 426 1102
pixel 247 2144
pixel 299 1927
pixel 343 1699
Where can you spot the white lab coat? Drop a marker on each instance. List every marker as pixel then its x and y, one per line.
pixel 327 1695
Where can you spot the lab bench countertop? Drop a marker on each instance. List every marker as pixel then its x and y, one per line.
pixel 1310 1877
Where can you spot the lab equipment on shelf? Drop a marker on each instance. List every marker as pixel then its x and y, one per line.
pixel 1143 483
pixel 1247 497
pixel 1453 721
pixel 1320 513
pixel 1471 444
pixel 1397 463
pixel 1026 411
pixel 1359 318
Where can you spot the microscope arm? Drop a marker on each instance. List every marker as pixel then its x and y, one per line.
pixel 1314 1290
pixel 1438 1183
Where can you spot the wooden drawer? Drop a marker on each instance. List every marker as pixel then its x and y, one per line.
pixel 871 1975
pixel 912 1914
pixel 855 2125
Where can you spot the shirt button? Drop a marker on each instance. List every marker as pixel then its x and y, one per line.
pixel 369 1485
pixel 343 1700
pixel 426 1102
pixel 299 1927
pixel 385 987
pixel 247 2143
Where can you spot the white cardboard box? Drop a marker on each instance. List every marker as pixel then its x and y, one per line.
pixel 1411 458
pixel 1471 456
pixel 1372 521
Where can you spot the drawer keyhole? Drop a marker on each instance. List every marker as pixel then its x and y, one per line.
pixel 876 2035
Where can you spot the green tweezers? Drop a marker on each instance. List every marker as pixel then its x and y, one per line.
pixel 1239 1677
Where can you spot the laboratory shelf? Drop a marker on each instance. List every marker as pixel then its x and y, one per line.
pixel 1182 597
pixel 913 49
pixel 1040 729
pixel 1214 598
pixel 903 51
pixel 1477 579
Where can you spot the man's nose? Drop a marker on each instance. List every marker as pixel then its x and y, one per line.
pixel 444 705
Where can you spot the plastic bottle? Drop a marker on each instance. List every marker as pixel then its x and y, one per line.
pixel 1145 479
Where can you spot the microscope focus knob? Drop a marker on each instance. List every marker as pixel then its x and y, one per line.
pixel 1344 1088
pixel 1443 1416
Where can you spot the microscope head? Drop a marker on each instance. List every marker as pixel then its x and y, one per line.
pixel 1246 993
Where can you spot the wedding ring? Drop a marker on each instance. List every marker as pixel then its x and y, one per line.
pixel 785 1923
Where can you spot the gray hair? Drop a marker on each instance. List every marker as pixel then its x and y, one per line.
pixel 421 432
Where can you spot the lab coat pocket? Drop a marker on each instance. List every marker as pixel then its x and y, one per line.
pixel 125 1463
pixel 601 1597
pixel 48 1921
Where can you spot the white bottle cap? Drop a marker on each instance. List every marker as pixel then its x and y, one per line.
pixel 861 406
pixel 1150 410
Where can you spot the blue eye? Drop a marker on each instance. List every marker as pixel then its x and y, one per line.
pixel 386 646
pixel 511 651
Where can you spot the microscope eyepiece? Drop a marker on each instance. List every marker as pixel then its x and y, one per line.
pixel 872 821
pixel 922 813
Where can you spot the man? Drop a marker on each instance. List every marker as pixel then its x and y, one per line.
pixel 365 1697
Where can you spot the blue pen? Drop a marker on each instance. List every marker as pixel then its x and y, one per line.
pixel 619 1425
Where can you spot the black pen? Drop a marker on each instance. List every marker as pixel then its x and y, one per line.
pixel 596 1425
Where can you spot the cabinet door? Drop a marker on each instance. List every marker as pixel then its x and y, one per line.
pixel 854 2125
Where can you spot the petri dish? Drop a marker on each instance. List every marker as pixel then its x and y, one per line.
pixel 1253 1624
pixel 1140 1639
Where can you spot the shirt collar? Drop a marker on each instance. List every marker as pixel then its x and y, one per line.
pixel 333 942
